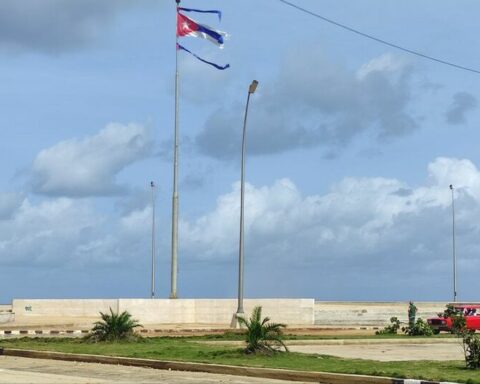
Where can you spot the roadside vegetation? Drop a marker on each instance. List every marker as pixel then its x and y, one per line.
pixel 114 327
pixel 415 327
pixel 470 341
pixel 471 349
pixel 261 335
pixel 190 349
pixel 418 328
pixel 391 329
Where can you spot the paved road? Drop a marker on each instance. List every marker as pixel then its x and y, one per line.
pixel 18 370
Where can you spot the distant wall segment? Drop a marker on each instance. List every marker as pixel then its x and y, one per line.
pixel 365 314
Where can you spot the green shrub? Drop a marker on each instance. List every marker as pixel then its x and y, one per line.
pixel 471 342
pixel 420 328
pixel 448 312
pixel 114 327
pixel 471 348
pixel 391 329
pixel 459 324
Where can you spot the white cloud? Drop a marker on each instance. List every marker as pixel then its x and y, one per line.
pixel 462 173
pixel 69 232
pixel 88 167
pixel 377 233
pixel 384 63
pixel 46 232
pixel 361 223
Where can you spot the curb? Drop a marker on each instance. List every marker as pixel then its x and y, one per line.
pixel 294 330
pixel 267 373
pixel 30 331
pixel 33 332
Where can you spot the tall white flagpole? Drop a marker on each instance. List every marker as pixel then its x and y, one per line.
pixel 173 289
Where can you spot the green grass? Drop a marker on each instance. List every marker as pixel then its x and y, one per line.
pixel 232 336
pixel 186 349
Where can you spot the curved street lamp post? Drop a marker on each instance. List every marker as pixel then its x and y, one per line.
pixel 240 311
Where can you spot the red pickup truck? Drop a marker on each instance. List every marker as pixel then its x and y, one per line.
pixel 470 311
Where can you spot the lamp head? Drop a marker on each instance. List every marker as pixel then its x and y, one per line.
pixel 253 87
pixel 451 187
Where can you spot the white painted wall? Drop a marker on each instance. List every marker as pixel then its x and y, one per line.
pixel 60 311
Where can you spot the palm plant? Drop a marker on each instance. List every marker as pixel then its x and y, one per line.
pixel 114 327
pixel 261 335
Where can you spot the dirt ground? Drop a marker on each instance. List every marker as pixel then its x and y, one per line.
pixel 387 351
pixel 18 370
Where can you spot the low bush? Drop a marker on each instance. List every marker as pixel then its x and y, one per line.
pixel 391 329
pixel 114 327
pixel 459 324
pixel 470 341
pixel 261 335
pixel 471 348
pixel 448 312
pixel 420 328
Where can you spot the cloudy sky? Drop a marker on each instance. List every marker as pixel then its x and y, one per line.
pixel 352 146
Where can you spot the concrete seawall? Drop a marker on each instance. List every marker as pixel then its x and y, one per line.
pixel 6 317
pixel 161 311
pixel 294 312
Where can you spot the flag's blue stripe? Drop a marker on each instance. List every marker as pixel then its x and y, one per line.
pixel 202 11
pixel 213 34
pixel 205 61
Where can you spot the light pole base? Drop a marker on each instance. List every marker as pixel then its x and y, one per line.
pixel 235 324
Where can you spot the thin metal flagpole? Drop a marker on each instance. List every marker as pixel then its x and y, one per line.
pixel 452 188
pixel 173 289
pixel 152 185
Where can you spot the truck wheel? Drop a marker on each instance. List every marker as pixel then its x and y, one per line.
pixel 436 331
